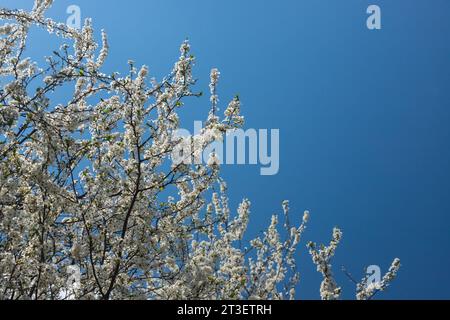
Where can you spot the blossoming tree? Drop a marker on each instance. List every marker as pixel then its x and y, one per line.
pixel 91 184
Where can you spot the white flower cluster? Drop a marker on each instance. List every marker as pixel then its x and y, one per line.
pixel 321 257
pixel 88 183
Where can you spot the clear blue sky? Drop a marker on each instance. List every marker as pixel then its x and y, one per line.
pixel 363 116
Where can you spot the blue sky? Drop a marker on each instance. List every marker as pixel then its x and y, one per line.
pixel 363 116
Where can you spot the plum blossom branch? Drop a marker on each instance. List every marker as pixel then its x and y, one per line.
pixel 90 183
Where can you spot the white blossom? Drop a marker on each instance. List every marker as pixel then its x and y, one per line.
pixel 88 183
